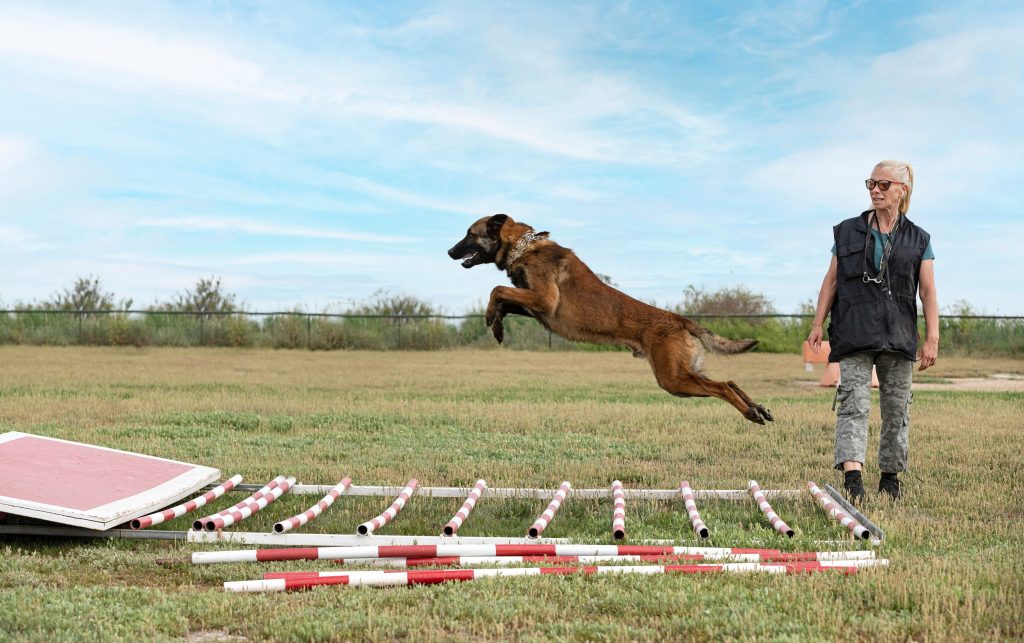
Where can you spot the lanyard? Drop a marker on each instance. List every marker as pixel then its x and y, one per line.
pixel 886 249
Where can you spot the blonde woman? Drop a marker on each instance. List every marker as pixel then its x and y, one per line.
pixel 881 262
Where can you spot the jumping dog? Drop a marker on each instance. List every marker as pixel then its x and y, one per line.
pixel 552 285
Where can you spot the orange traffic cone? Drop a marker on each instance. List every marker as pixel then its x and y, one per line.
pixel 831 376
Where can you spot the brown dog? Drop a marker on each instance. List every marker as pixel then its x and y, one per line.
pixel 553 286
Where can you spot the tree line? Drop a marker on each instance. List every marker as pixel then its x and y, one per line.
pixel 208 315
pixel 88 295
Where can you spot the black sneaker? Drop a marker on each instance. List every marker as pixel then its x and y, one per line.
pixel 854 486
pixel 890 484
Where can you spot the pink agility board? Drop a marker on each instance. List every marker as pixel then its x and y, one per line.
pixel 89 486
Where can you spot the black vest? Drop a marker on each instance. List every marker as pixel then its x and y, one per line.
pixel 871 316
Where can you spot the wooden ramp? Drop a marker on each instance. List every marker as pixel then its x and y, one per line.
pixel 89 486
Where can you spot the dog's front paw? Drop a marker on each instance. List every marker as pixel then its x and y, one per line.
pixel 498 329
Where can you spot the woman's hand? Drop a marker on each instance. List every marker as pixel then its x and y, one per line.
pixel 929 353
pixel 814 339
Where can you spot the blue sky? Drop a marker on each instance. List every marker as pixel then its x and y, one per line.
pixel 313 153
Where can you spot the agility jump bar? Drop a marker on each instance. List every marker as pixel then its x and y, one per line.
pixel 238 515
pixel 542 521
pixel 389 514
pixel 456 561
pixel 467 506
pixel 830 564
pixel 434 551
pixel 200 524
pixel 534 494
pixel 832 509
pixel 773 518
pixel 429 577
pixel 618 511
pixel 184 508
pixel 315 510
pixel 875 530
pixel 691 510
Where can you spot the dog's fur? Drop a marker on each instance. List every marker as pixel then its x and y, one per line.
pixel 554 287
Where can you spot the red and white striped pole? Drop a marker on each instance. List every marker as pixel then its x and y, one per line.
pixel 191 505
pixel 370 552
pixel 463 513
pixel 200 524
pixel 315 510
pixel 220 522
pixel 812 565
pixel 619 511
pixel 691 509
pixel 549 514
pixel 766 508
pixel 832 509
pixel 389 514
pixel 429 577
pixel 457 561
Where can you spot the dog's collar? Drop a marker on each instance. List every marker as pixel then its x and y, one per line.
pixel 524 242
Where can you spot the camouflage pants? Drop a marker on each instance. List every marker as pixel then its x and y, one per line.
pixel 854 397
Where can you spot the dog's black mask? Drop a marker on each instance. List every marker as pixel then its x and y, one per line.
pixel 481 243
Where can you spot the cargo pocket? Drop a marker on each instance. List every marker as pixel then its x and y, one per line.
pixel 842 394
pixel 906 411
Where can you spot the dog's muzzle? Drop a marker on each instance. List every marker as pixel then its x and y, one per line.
pixel 466 254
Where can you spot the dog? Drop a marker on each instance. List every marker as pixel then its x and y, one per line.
pixel 552 285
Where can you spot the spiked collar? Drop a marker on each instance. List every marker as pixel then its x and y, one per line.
pixel 522 245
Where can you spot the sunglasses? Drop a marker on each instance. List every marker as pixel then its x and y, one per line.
pixel 882 185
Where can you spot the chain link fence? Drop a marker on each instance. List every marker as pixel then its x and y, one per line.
pixel 777 333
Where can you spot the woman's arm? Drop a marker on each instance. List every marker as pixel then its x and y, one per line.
pixel 930 303
pixel 825 297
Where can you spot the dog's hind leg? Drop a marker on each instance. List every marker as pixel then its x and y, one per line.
pixel 678 381
pixel 765 413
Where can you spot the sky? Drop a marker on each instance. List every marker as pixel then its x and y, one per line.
pixel 312 155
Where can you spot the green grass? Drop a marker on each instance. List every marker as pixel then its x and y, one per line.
pixel 517 419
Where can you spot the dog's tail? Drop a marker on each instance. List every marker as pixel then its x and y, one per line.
pixel 717 344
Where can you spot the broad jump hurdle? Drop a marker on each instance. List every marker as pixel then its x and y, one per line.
pixel 213 528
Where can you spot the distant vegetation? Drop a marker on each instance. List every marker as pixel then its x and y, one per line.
pixel 208 315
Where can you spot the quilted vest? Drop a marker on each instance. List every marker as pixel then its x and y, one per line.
pixel 870 316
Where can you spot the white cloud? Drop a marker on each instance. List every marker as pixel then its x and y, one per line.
pixel 247 226
pixel 14 151
pixel 21 169
pixel 543 100
pixel 943 104
pixel 16 239
pixel 331 260
pixel 113 50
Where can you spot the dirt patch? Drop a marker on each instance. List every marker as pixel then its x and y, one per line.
pixel 998 383
pixel 202 636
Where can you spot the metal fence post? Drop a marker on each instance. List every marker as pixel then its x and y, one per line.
pixel 309 332
pixel 202 330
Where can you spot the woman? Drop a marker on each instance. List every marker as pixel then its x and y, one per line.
pixel 869 292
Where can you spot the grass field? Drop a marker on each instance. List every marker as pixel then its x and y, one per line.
pixel 518 419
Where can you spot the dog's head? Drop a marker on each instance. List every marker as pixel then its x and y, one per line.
pixel 482 242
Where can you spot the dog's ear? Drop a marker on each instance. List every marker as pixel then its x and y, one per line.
pixel 495 223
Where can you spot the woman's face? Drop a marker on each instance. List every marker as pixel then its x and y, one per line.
pixel 886 199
